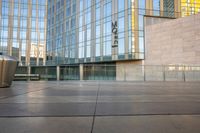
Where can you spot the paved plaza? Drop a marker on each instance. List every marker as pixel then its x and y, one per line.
pixel 100 107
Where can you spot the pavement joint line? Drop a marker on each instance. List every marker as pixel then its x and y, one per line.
pixel 1 102
pixel 95 109
pixel 2 98
pixel 193 114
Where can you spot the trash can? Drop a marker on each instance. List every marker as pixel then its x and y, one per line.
pixel 8 67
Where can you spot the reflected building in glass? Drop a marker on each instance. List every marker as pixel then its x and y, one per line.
pixel 88 31
pixel 189 7
pixel 23 30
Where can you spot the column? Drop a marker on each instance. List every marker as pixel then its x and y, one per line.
pixel 126 24
pixel 161 8
pixel 10 28
pixel 28 33
pixel 177 8
pixel 135 27
pixel 81 71
pixel 58 73
pixel 28 72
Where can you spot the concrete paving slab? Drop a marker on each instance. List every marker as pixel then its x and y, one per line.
pixel 147 124
pixel 154 106
pixel 149 98
pixel 142 91
pixel 49 99
pixel 148 108
pixel 46 125
pixel 53 109
pixel 66 92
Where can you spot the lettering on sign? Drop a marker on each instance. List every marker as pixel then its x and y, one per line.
pixel 115 32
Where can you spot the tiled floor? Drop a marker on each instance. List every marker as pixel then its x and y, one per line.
pixel 100 107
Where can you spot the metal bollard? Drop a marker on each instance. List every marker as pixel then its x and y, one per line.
pixel 8 67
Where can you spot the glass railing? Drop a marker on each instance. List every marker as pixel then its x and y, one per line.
pixel 69 72
pixel 111 72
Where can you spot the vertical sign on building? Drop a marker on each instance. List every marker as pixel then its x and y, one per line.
pixel 115 34
pixel 114 28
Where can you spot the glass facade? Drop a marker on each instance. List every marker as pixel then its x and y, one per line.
pixel 85 31
pixel 81 31
pixel 23 30
pixel 189 7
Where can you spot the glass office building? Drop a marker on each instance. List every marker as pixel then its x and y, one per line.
pixel 81 31
pixel 88 31
pixel 23 30
pixel 189 7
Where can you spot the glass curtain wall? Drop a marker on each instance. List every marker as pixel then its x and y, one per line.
pixel 85 31
pixel 23 30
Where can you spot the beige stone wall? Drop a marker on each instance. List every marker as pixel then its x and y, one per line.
pixel 129 71
pixel 173 42
pixel 152 20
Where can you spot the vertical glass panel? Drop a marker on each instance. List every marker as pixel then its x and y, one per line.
pixel 81 5
pixel 141 22
pixel 68 12
pixel 74 8
pixel 121 5
pixel 88 49
pixel 97 13
pixel 121 24
pixel 97 30
pixel 121 46
pixel 141 7
pixel 141 44
pixel 107 48
pixel 168 8
pixel 97 49
pixel 156 7
pixel 88 3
